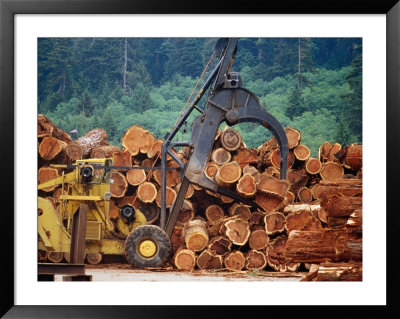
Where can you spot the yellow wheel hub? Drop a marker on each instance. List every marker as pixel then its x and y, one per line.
pixel 147 248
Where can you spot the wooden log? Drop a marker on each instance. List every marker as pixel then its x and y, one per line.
pixel 255 260
pixel 147 192
pixel 113 210
pixel 81 147
pixel 119 185
pixel 293 137
pixel 228 174
pixel 177 239
pixel 257 219
pixel 305 195
pixel 149 141
pixel 275 253
pixel 136 177
pixel 313 165
pixel 239 210
pixel 355 220
pixel 208 260
pixel 50 148
pixel 151 211
pixel 344 187
pixel 235 261
pixel 105 151
pixel 237 230
pixel 122 158
pixel 170 196
pixel 258 238
pixel 295 208
pixel 339 205
pixel 275 159
pixel 271 171
pixel 220 245
pixel 94 258
pixel 214 213
pixel 172 176
pixel 230 139
pixel 331 170
pixel 189 192
pixel 134 139
pixel 271 184
pixel 185 259
pixel 211 169
pixel 253 171
pixel 333 150
pixel 302 220
pixel 55 257
pixel 323 245
pixel 225 199
pixel 290 197
pixel 323 151
pixel 269 201
pixel 301 152
pixel 221 156
pixel 42 255
pixel 155 149
pixel 184 216
pixel 297 179
pixel 47 128
pixel 274 223
pixel 339 272
pixel 246 185
pixel 245 156
pixel 351 157
pixel 195 234
pixel 46 174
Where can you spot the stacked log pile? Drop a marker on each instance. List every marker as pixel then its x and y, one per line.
pixel 310 221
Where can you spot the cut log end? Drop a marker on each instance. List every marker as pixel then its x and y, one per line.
pixel 185 259
pixel 331 170
pixel 274 223
pixel 230 139
pixel 313 166
pixel 238 231
pixel 301 152
pixel 221 156
pixel 235 261
pixel 246 185
pixel 147 192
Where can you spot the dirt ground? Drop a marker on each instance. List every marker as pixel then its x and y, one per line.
pixel 124 272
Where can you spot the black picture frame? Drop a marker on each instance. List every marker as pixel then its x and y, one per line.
pixel 8 9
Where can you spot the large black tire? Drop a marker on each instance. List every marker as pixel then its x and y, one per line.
pixel 147 232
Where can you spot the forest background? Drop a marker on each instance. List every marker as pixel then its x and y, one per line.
pixel 311 84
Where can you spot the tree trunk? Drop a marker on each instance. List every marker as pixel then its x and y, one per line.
pixel 208 260
pixel 323 245
pixel 228 174
pixel 331 170
pixel 105 151
pixel 170 196
pixel 302 220
pixel 185 259
pixel 220 245
pixel 94 258
pixel 230 139
pixel 235 261
pixel 55 257
pixel 304 195
pixel 119 185
pixel 221 156
pixel 195 234
pixel 274 223
pixel 255 260
pixel 46 174
pixel 51 147
pixel 246 185
pixel 136 177
pixel 275 253
pixel 301 152
pixel 147 192
pixel 245 156
pixel 237 230
pixel 134 139
pixel 81 147
pixel 258 238
pixel 122 158
pixel 313 165
pixel 214 213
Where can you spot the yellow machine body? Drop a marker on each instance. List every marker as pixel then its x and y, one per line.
pixel 55 226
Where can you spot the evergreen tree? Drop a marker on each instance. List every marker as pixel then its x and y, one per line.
pixel 108 124
pixel 85 105
pixel 141 98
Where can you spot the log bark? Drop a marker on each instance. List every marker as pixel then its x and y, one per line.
pixel 185 259
pixel 55 257
pixel 214 213
pixel 81 147
pixel 253 172
pixel 105 151
pixel 323 245
pixel 297 179
pixel 234 261
pixel 271 184
pixel 302 220
pixel 221 156
pixel 119 185
pixel 305 195
pixel 336 272
pixel 341 206
pixel 344 187
pixel 94 258
pixel 147 192
pixel 255 260
pixel 301 152
pixel 355 221
pixel 246 185
pixel 269 201
pixel 228 174
pixel 195 234
pixel 239 210
pixel 47 128
pixel 177 239
pixel 230 139
pixel 208 260
pixel 295 208
pixel 220 245
pixel 136 177
pixel 275 253
pixel 170 196
pixel 274 223
pixel 50 148
pixel 237 230
pixel 313 165
pixel 331 170
pixel 258 238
